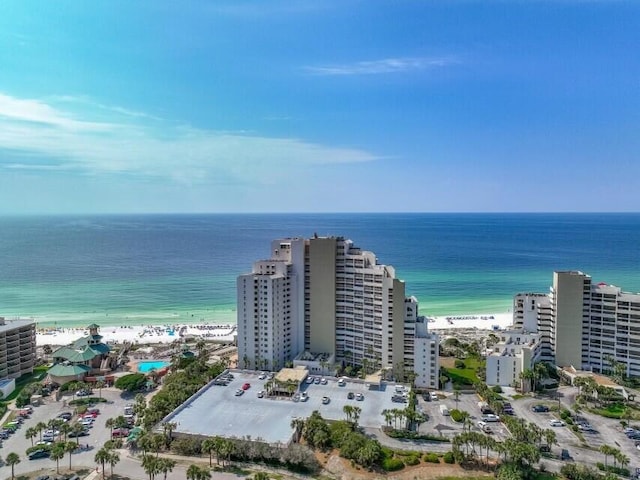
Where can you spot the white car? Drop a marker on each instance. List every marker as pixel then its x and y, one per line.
pixel 557 423
pixel 323 381
pixel 87 422
pixel 359 396
pixel 490 417
pixel 261 393
pixel 342 382
pixel 325 400
pixel 309 379
pixel 262 376
pixel 239 392
pixel 304 397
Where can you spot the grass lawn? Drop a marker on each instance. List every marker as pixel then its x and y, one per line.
pixel 37 375
pixel 616 410
pixel 467 375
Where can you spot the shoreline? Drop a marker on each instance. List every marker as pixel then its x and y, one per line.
pixel 168 332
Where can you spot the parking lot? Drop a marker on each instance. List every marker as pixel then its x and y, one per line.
pixel 218 411
pixel 98 434
pixel 444 424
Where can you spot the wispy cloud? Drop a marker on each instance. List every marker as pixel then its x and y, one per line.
pixel 386 65
pixel 43 136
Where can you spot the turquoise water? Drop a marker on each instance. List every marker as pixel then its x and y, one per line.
pixel 170 269
pixel 144 367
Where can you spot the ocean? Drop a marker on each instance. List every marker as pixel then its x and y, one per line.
pixel 165 269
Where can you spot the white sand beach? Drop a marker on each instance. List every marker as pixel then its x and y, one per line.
pixel 480 321
pixel 143 334
pixel 147 334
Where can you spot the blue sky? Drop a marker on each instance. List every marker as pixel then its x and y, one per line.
pixel 300 106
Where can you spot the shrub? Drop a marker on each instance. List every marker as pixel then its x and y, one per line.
pixel 411 460
pixel 186 446
pixel 392 464
pixel 432 458
pixel 459 363
pixel 456 415
pixel 87 401
pixel 131 383
pixel 624 472
pixel 413 435
pixel 497 389
pixel 35 448
pixel 449 458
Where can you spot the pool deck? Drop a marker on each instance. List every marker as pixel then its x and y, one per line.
pixel 135 365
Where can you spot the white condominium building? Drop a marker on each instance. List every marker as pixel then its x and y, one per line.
pixel 17 347
pixel 584 325
pixel 516 352
pixel 324 295
pixel 532 313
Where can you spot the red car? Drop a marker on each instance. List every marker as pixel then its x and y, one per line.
pixel 119 432
pixel 246 386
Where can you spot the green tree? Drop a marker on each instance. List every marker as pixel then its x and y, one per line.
pixel 70 447
pixel 165 466
pixel 40 426
pixel 607 450
pixel 261 476
pixel 101 457
pixel 30 434
pixel 195 472
pixel 56 453
pixel 12 460
pixel 77 428
pixel 208 446
pixel 113 460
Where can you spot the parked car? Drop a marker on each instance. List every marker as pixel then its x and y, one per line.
pixel 95 411
pixel 540 408
pixel 38 454
pixel 325 400
pixel 83 393
pixel 304 397
pixel 398 399
pixel 120 432
pixel 490 417
pixel 359 396
pixel 66 415
pixel 80 433
pixel 317 380
pixel 309 379
pixel 484 427
pixel 323 381
pixel 342 382
pixel 262 376
pixel 556 423
pixel 351 395
pixel 239 392
pixel 565 455
pixel 261 393
pixel 246 386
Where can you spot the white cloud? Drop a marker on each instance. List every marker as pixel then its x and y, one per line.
pixel 386 65
pixel 52 139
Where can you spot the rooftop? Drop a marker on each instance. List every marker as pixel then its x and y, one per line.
pixel 8 325
pixel 215 410
pixel 296 375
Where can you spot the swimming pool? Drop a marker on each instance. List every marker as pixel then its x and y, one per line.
pixel 144 367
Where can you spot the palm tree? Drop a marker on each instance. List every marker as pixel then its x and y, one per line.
pixel 456 395
pixel 528 375
pixel 166 465
pixel 12 459
pixel 348 411
pixel 168 428
pixel 31 433
pixel 150 465
pixel 69 447
pixel 549 437
pixel 540 372
pixel 298 426
pixel 208 446
pixel 110 423
pixel 355 414
pixel 607 450
pixel 40 426
pixel 101 457
pixel 113 460
pixel 194 472
pixel 77 428
pixel 100 385
pixel 65 428
pixel 56 453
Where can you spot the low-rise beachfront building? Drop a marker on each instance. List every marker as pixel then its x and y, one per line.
pixel 516 352
pixel 327 296
pixel 316 363
pixel 84 357
pixel 17 347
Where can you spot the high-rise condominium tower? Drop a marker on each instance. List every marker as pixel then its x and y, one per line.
pixel 325 295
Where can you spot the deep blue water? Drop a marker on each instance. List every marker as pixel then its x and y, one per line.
pixel 150 268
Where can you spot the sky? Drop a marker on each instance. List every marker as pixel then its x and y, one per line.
pixel 319 106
